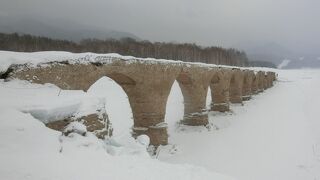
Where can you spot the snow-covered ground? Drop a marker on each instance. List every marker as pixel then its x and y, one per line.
pixel 273 136
pixel 30 150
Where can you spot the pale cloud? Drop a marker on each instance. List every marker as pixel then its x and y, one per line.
pixel 292 23
pixel 4 14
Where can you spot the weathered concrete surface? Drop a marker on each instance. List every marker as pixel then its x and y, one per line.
pixel 219 86
pixel 236 84
pixel 194 83
pixel 247 84
pixel 148 86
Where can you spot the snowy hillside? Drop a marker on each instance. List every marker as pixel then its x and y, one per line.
pixel 273 136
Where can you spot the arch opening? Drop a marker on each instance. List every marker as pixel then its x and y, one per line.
pixel 175 106
pixel 117 103
pixel 209 99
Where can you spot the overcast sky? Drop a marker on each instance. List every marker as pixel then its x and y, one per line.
pixel 291 23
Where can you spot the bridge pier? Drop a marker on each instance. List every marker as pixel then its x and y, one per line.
pixel 236 84
pixel 148 100
pixel 194 83
pixel 247 85
pixel 260 75
pixel 265 81
pixel 220 90
pixel 148 105
pixel 270 78
pixel 255 82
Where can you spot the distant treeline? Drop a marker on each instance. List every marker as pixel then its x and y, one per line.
pixel 127 46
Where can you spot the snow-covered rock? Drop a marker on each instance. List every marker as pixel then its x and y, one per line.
pixel 75 127
pixel 143 140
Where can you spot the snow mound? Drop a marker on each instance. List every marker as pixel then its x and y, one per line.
pixel 29 150
pixel 143 140
pixel 75 127
pixel 47 102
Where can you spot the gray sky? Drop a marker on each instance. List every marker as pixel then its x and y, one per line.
pixel 291 23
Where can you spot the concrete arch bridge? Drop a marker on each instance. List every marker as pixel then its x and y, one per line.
pixel 147 84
